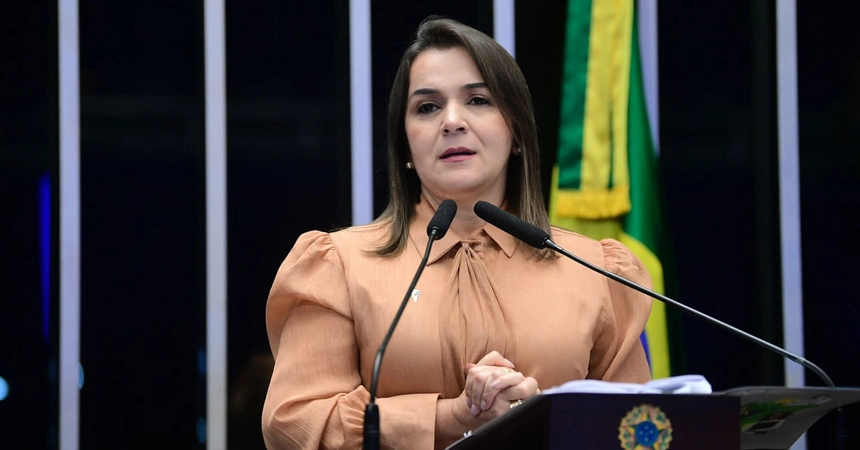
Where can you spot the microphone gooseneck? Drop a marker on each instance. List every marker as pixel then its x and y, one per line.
pixel 436 229
pixel 796 358
pixel 539 238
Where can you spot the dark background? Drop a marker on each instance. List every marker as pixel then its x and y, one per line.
pixel 142 191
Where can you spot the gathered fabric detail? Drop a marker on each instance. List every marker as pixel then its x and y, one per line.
pixel 473 321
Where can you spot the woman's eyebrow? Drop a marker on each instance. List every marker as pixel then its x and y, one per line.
pixel 470 86
pixel 431 91
pixel 424 91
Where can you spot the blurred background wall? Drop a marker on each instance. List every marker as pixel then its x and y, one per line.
pixel 143 246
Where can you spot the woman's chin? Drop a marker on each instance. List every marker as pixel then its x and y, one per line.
pixel 468 192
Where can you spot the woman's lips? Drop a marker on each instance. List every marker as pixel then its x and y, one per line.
pixel 457 154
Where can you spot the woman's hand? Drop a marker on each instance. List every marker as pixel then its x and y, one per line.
pixel 494 378
pixel 493 384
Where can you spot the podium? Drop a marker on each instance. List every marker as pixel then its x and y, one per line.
pixel 600 421
pixel 753 417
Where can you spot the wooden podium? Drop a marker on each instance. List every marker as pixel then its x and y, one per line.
pixel 605 421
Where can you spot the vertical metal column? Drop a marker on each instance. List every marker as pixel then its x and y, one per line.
pixel 648 49
pixel 504 25
pixel 70 223
pixel 789 191
pixel 216 226
pixel 361 111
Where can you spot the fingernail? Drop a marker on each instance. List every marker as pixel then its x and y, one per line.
pixel 509 362
pixel 483 406
pixel 496 384
pixel 474 410
pixel 469 402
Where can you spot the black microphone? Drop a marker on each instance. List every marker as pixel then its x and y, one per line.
pixel 511 224
pixel 539 238
pixel 441 221
pixel 436 229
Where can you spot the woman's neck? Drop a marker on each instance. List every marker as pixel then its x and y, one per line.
pixel 466 222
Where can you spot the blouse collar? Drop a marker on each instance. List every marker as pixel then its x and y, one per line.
pixel 418 234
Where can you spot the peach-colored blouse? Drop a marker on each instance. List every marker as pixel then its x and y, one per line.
pixel 332 303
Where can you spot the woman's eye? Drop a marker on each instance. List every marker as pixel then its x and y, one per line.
pixel 479 101
pixel 426 108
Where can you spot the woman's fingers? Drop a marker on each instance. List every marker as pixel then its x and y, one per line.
pixel 482 383
pixel 511 378
pixel 496 403
pixel 494 386
pixel 485 382
pixel 495 358
pixel 467 369
pixel 523 390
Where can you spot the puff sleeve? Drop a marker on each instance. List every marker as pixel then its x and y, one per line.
pixel 316 398
pixel 618 354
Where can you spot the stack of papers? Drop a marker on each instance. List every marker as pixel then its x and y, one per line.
pixel 682 384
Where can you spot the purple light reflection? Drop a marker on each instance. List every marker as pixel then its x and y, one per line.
pixel 45 249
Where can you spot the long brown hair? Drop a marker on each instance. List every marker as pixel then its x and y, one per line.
pixel 507 85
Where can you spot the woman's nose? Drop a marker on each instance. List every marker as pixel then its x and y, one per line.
pixel 454 121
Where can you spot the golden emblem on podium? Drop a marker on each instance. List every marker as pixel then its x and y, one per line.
pixel 645 427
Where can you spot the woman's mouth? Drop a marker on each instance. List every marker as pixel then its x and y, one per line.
pixel 455 154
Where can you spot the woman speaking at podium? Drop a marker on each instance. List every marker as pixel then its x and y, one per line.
pixel 491 320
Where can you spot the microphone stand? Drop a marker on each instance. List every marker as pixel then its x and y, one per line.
pixel 436 229
pixel 371 411
pixel 802 361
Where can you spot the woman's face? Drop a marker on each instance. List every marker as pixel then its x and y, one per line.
pixel 459 141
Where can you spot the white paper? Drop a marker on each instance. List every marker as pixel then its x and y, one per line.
pixel 682 384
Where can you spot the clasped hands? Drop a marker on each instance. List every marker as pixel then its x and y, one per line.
pixel 492 385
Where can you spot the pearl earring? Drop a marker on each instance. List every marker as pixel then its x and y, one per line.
pixel 409 165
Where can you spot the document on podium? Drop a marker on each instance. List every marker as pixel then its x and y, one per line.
pixel 680 384
pixel 774 417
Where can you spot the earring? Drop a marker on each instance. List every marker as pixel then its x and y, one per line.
pixel 518 151
pixel 409 165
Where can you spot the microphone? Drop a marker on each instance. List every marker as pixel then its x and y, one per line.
pixel 539 238
pixel 441 221
pixel 436 229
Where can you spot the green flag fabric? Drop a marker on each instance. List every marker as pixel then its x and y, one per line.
pixel 606 179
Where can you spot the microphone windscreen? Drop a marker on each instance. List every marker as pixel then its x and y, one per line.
pixel 442 219
pixel 511 224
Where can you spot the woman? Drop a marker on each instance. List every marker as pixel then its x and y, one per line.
pixel 492 320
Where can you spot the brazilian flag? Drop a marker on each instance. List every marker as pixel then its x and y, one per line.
pixel 606 181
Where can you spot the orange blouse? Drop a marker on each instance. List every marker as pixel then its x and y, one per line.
pixel 332 303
